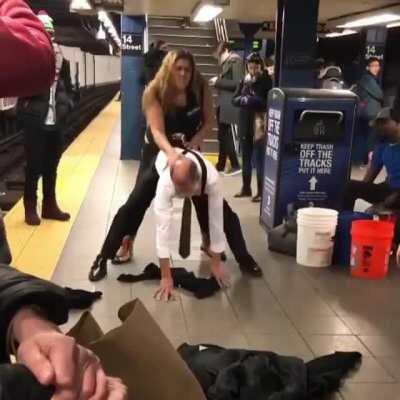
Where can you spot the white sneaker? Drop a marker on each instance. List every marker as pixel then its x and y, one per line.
pixel 233 172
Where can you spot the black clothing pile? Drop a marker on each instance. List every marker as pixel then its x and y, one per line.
pixel 81 299
pixel 200 287
pixel 262 375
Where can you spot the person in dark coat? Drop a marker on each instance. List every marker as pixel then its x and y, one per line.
pixel 251 98
pixel 153 60
pixel 226 83
pixel 42 118
pixel 370 94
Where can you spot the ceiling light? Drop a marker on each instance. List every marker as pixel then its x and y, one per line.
pixel 346 32
pixel 80 5
pixel 374 20
pixel 393 25
pixel 106 21
pixel 205 11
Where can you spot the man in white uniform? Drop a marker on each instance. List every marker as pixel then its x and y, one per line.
pixel 194 177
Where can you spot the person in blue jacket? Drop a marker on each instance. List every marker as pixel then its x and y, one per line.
pixel 251 97
pixel 386 155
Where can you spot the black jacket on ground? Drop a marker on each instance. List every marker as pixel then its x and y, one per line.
pixel 251 97
pixel 200 287
pixel 262 375
pixel 18 290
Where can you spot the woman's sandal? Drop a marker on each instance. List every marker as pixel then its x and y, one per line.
pixel 98 270
pixel 120 259
pixel 124 253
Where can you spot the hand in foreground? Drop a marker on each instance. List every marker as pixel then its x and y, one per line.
pixel 117 390
pixel 56 360
pixel 166 290
pixel 219 272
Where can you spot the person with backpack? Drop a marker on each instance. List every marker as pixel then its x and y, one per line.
pixel 251 98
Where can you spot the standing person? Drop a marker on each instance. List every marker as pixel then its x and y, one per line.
pixel 270 68
pixel 152 63
pixel 153 59
pixel 179 112
pixel 42 119
pixel 370 93
pixel 196 179
pixel 231 74
pixel 27 61
pixel 251 97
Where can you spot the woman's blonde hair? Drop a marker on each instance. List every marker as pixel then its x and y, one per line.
pixel 161 89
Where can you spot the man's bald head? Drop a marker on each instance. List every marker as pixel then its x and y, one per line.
pixel 185 175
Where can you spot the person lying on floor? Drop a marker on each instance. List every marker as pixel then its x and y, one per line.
pixel 50 365
pixel 386 154
pixel 194 178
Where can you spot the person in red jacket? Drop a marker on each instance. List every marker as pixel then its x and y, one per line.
pixel 27 63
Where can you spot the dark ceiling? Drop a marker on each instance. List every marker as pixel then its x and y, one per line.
pixel 72 29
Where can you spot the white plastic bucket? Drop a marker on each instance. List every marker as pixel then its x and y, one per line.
pixel 315 233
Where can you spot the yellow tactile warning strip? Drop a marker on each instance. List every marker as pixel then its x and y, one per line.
pixel 36 250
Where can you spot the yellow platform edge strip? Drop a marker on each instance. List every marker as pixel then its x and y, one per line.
pixel 36 250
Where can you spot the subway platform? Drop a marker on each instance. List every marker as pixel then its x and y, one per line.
pixel 290 310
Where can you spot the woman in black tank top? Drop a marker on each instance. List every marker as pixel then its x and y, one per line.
pixel 179 112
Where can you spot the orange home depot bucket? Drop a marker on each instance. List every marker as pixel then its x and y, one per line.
pixel 370 248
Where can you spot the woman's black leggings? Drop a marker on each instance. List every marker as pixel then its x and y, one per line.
pixel 131 214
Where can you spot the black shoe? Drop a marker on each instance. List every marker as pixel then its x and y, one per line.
pixel 219 168
pixel 252 269
pixel 243 193
pixel 256 198
pixel 98 271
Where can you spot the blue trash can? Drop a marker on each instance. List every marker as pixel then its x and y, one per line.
pixel 342 248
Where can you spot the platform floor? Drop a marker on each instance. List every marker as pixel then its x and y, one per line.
pixel 291 310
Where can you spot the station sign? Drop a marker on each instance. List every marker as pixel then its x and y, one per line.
pixel 132 44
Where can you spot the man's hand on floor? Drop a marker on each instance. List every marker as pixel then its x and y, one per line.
pixel 219 272
pixel 166 290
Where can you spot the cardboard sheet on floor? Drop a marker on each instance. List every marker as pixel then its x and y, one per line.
pixel 140 354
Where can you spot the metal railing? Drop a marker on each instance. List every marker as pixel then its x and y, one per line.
pixel 221 30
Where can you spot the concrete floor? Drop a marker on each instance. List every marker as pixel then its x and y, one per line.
pixel 291 310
